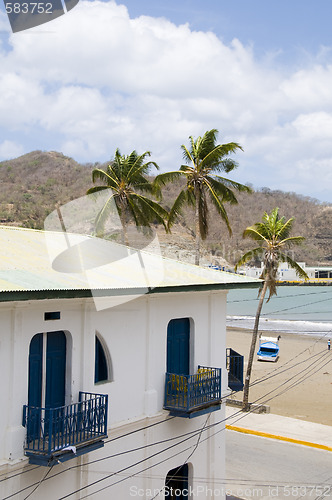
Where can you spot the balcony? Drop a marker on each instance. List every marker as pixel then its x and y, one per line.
pixel 192 395
pixel 58 434
pixel 234 365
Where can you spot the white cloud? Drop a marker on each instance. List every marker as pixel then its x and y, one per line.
pixel 10 149
pixel 95 80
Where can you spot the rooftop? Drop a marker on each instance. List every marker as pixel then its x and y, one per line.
pixel 42 264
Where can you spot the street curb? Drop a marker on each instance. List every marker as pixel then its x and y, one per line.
pixel 279 438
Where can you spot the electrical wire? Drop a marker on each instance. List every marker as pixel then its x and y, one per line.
pixel 209 437
pixel 40 482
pixel 18 472
pixel 187 459
pixel 191 434
pixel 281 296
pixel 298 306
pixel 280 372
pixel 126 468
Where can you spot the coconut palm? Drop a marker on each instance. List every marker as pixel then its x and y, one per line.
pixel 204 159
pixel 273 235
pixel 125 178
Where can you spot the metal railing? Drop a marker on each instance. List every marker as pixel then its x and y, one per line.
pixel 190 392
pixel 234 365
pixel 50 430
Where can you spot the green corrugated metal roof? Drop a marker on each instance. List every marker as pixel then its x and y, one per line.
pixel 61 264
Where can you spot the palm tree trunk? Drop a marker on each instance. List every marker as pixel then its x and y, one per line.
pixel 245 403
pixel 197 231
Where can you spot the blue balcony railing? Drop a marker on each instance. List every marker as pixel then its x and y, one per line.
pixel 234 365
pixel 58 434
pixel 192 395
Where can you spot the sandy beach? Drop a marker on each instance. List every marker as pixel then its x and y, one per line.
pixel 299 384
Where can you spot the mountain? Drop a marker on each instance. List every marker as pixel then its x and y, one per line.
pixel 32 185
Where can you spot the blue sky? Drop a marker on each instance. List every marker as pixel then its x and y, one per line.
pixel 145 75
pixel 291 26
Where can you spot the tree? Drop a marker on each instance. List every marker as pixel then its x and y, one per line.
pixel 204 159
pixel 126 179
pixel 273 235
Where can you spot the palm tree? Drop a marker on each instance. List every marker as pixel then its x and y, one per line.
pixel 126 180
pixel 273 237
pixel 204 159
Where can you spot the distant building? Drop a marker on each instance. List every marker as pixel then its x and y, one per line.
pixel 110 387
pixel 286 273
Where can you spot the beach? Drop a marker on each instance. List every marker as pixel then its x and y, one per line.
pixel 299 384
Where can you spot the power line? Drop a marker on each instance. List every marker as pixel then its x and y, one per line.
pixel 280 296
pixel 280 372
pixel 190 434
pixel 209 437
pixel 40 482
pixel 188 458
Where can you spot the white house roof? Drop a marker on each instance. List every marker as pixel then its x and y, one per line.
pixel 41 264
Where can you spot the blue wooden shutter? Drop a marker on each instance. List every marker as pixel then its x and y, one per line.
pixel 178 336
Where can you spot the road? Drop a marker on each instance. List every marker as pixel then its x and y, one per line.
pixel 263 468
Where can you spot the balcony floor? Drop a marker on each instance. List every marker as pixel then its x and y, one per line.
pixel 62 455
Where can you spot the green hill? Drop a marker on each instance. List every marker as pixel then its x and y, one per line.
pixel 32 185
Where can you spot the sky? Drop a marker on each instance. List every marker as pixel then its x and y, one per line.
pixel 146 75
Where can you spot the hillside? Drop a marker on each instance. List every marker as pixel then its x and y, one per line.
pixel 32 185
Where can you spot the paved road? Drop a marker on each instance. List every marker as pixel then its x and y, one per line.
pixel 263 468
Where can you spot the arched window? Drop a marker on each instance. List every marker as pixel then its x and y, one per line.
pixel 102 364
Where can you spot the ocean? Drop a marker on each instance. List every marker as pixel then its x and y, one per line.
pixel 303 309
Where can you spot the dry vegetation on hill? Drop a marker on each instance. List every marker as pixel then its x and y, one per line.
pixel 33 184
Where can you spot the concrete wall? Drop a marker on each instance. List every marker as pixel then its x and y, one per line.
pixel 135 336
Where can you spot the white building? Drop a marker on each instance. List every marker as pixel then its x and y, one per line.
pixel 286 273
pixel 113 330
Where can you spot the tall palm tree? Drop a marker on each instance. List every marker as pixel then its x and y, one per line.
pixel 125 178
pixel 273 235
pixel 204 159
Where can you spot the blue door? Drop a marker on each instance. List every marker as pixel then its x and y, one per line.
pixel 55 370
pixel 35 371
pixel 35 387
pixel 52 380
pixel 178 338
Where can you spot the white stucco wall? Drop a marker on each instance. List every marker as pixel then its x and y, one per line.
pixel 135 335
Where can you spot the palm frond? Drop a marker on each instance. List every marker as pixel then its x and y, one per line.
pixel 165 178
pixel 106 177
pixel 242 188
pixel 183 198
pixel 152 211
pixel 103 215
pixel 254 233
pixel 294 265
pixel 207 143
pixel 296 240
pixel 210 185
pixel 248 256
pixel 215 159
pixel 97 189
pixel 285 228
pixel 221 190
pixel 188 156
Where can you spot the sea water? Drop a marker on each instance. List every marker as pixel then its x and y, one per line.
pixel 302 309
